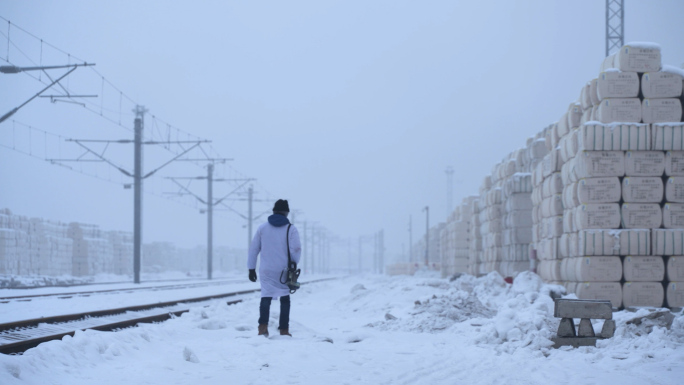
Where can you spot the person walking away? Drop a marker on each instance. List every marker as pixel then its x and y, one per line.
pixel 271 240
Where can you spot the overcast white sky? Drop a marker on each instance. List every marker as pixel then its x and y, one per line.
pixel 352 110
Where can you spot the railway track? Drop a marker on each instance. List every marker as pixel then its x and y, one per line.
pixel 123 290
pixel 19 336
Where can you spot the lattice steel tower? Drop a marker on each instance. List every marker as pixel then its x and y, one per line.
pixel 615 25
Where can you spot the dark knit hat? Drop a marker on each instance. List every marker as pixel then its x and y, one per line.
pixel 281 205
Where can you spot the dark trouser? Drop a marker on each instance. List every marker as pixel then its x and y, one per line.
pixel 265 309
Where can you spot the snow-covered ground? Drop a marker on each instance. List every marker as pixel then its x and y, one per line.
pixel 365 330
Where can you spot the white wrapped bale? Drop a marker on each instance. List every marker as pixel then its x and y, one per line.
pixel 575 115
pixel 517 235
pixel 673 216
pixel 661 110
pixel 552 227
pixel 675 268
pixel 537 150
pixel 568 245
pixel 639 189
pixel 568 145
pixel 643 294
pixel 611 291
pixel 520 218
pixel 597 269
pixel 616 84
pixel 644 268
pixel 494 197
pixel 519 252
pixel 517 202
pixel 569 221
pixel 644 163
pixel 615 242
pixel 614 137
pixel 607 63
pixel 675 294
pixel 552 206
pixel 667 136
pixel 585 97
pixel 638 57
pixel 674 190
pixel 619 110
pixel 597 216
pixel 551 162
pixel 518 183
pixel 641 216
pixel 570 197
pixel 593 93
pixel 661 85
pixel 590 164
pixel 667 242
pixel 552 185
pixel 674 163
pixel 599 190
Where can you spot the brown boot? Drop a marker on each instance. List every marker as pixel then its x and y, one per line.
pixel 285 332
pixel 263 330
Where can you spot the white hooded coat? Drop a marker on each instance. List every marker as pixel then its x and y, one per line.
pixel 271 242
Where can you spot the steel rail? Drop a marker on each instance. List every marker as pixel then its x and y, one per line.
pixel 20 331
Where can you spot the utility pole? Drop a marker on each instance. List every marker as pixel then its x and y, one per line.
pixel 137 192
pixel 137 174
pixel 615 25
pixel 450 189
pixel 427 234
pixel 210 219
pixel 209 202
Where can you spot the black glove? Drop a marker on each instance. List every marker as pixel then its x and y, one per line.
pixel 252 275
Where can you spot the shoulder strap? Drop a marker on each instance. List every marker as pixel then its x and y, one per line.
pixel 289 260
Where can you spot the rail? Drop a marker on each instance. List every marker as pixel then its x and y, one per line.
pixel 19 336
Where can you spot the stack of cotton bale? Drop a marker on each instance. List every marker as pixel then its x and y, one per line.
pixel 461 236
pixel 455 237
pixel 548 208
pixel 445 246
pixel 475 250
pixel 490 224
pixel 662 93
pixel 517 221
pixel 492 216
pixel 59 251
pixel 613 185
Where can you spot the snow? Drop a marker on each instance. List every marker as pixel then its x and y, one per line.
pixel 366 330
pixel 643 45
pixel 673 70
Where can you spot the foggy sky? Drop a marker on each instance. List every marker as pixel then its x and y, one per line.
pixel 350 110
